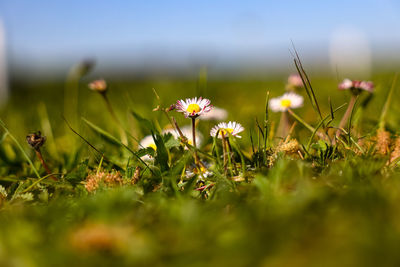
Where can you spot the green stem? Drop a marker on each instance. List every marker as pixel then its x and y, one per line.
pixel 196 159
pixel 215 148
pixel 36 182
pixel 305 124
pixel 231 159
pixel 382 119
pixel 115 118
pixel 224 151
pixel 320 124
pixel 266 125
pixel 101 163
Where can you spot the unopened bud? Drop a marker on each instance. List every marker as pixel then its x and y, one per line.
pixel 36 140
pixel 170 108
pixel 82 68
pixel 98 86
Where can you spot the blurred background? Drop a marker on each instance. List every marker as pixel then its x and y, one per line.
pixel 168 40
pixel 44 38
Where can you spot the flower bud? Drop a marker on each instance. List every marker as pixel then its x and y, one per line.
pixel 36 140
pixel 98 85
pixel 295 81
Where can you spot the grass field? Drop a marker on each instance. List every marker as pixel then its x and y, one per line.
pixel 310 199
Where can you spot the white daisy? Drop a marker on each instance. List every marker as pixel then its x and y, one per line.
pixel 193 107
pixel 367 86
pixel 346 84
pixel 286 101
pixel 217 114
pixel 187 132
pixel 356 85
pixel 147 142
pixel 230 128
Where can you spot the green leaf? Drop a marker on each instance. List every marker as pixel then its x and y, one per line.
pixel 162 157
pixel 146 151
pixel 145 124
pixel 171 141
pixel 130 171
pixel 107 136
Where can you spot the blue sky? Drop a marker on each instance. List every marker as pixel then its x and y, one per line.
pixel 45 32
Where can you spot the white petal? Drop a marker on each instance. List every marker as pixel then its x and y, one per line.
pixel 275 104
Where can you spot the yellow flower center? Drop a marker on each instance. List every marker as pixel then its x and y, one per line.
pixel 286 103
pixel 202 170
pixel 193 108
pixel 187 140
pixel 153 146
pixel 226 131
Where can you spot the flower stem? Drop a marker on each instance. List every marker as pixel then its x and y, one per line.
pixel 225 153
pixel 308 126
pixel 284 125
pixel 305 124
pixel 231 159
pixel 39 155
pixel 346 115
pixel 196 159
pixel 115 118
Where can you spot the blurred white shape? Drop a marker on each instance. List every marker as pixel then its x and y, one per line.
pixel 217 114
pixel 350 53
pixel 3 66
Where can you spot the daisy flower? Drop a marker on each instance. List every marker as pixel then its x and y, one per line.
pixel 286 101
pixel 98 86
pixel 356 86
pixel 193 107
pixel 217 114
pixel 187 132
pixel 225 129
pixel 346 84
pixel 147 142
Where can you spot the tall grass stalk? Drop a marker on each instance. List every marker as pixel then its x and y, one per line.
pixel 124 138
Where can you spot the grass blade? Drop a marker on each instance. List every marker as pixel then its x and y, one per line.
pixel 2 124
pixel 307 83
pixel 382 119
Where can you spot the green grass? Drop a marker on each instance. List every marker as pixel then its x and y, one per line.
pixel 337 206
